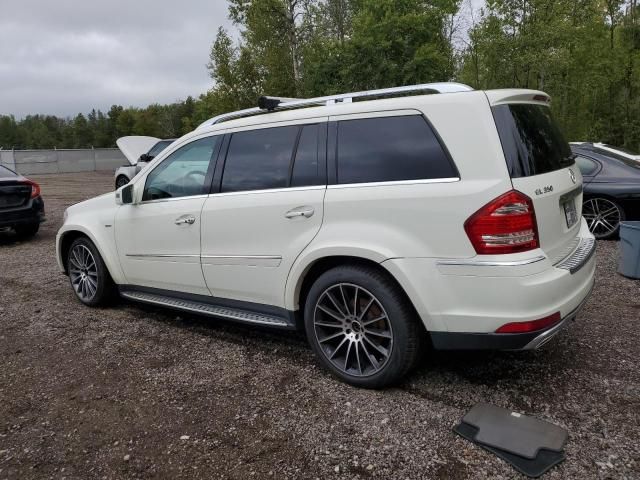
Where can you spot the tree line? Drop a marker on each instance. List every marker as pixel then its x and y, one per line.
pixel 584 53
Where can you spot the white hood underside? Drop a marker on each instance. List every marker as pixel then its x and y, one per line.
pixel 134 146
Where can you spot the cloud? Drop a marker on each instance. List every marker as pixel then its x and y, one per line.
pixel 70 56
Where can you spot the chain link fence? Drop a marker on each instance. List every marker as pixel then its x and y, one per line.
pixel 36 162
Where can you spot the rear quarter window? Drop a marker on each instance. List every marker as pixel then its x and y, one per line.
pixel 387 149
pixel 531 140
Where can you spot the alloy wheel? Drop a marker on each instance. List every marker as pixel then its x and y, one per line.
pixel 353 330
pixel 83 272
pixel 603 216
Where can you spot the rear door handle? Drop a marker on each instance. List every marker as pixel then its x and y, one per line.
pixel 185 219
pixel 305 212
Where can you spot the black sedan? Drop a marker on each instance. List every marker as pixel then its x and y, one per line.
pixel 611 188
pixel 21 206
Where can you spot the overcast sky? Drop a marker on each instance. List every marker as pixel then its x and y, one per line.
pixel 63 57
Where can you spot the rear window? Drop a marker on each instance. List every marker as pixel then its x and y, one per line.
pixel 6 173
pixel 587 167
pixel 390 149
pixel 531 140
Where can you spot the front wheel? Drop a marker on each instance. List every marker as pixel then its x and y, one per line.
pixel 88 274
pixel 603 217
pixel 361 326
pixel 121 181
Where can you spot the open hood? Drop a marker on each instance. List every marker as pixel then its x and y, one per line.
pixel 134 146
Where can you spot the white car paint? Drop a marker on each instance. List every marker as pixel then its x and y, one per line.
pixel 241 247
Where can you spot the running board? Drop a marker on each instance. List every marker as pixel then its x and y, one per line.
pixel 203 308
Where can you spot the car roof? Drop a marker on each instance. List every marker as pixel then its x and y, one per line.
pixel 406 97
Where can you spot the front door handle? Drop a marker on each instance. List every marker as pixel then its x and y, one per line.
pixel 305 212
pixel 185 220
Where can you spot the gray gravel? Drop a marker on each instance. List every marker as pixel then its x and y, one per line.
pixel 133 392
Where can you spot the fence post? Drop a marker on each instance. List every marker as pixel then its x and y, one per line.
pixel 95 160
pixel 55 149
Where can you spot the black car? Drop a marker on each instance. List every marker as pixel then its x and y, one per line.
pixel 611 188
pixel 21 206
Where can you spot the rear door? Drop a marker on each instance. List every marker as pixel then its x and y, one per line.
pixel 268 208
pixel 541 166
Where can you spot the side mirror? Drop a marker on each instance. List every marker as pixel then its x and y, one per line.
pixel 124 195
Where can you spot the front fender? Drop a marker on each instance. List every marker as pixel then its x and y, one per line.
pixel 104 243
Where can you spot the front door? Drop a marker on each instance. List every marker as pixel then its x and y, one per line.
pixel 268 209
pixel 158 239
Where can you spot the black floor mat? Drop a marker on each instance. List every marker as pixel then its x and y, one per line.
pixel 530 467
pixel 513 432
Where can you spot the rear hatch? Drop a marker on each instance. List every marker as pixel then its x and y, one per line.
pixel 541 166
pixel 14 192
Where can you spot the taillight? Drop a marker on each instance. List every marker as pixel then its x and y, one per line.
pixel 505 225
pixel 35 188
pixel 530 326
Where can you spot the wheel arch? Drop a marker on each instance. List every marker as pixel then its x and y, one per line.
pixel 297 292
pixel 67 237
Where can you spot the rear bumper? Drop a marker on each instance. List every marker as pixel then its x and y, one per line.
pixel 502 341
pixel 29 214
pixel 463 302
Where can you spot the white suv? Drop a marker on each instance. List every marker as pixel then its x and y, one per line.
pixel 378 224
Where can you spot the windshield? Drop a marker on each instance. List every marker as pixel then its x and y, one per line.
pixel 531 140
pixel 158 147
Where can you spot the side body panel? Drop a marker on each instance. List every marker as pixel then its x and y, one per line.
pixel 156 252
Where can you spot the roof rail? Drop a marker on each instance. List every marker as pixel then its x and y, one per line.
pixel 269 104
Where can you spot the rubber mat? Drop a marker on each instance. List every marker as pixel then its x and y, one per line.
pixel 534 468
pixel 514 433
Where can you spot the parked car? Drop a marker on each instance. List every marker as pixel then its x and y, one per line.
pixel 611 188
pixel 374 220
pixel 21 206
pixel 605 148
pixel 131 148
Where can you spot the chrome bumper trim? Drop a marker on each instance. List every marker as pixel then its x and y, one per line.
pixel 579 257
pixel 493 263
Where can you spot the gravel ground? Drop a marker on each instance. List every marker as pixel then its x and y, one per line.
pixel 137 392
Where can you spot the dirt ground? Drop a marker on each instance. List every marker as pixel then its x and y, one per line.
pixel 137 392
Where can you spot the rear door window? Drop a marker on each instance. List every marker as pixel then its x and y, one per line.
pixel 388 149
pixel 259 159
pixel 531 140
pixel 306 166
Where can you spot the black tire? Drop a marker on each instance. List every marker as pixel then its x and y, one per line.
pixel 28 230
pixel 593 210
pixel 104 290
pixel 121 181
pixel 404 327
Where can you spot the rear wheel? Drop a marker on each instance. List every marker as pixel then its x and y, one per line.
pixel 361 326
pixel 27 231
pixel 88 274
pixel 603 217
pixel 121 181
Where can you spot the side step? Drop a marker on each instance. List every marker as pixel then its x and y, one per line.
pixel 203 308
